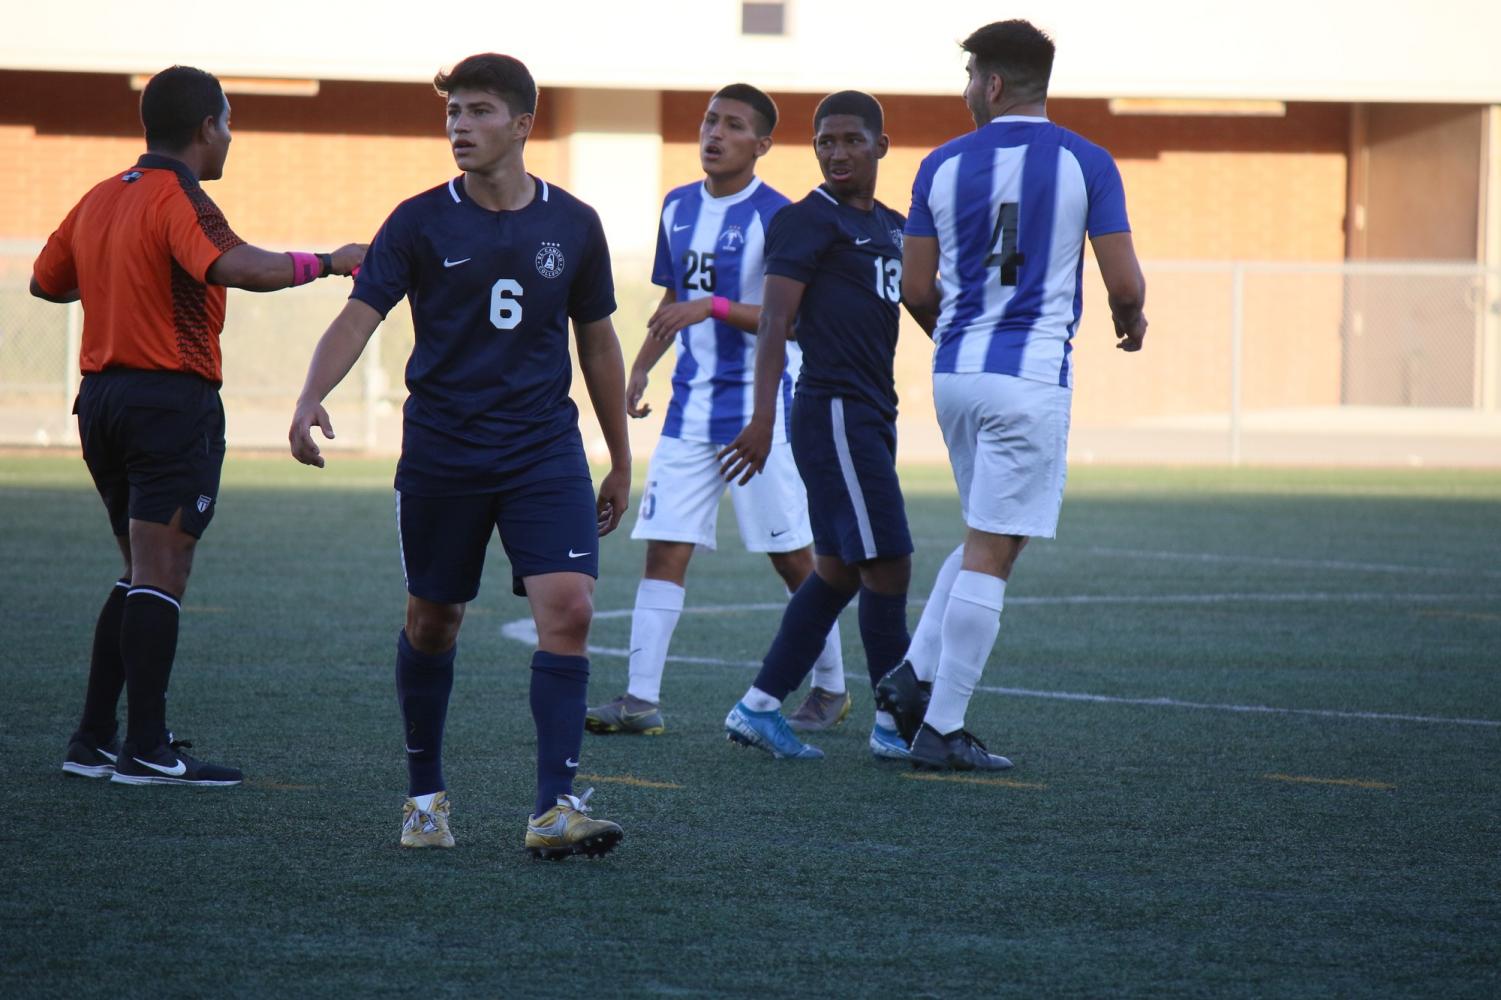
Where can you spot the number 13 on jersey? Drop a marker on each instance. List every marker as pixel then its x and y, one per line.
pixel 888 279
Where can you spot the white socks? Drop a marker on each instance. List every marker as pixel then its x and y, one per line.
pixel 759 701
pixel 927 641
pixel 659 604
pixel 970 625
pixel 828 669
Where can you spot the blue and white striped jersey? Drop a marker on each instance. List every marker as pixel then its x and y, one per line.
pixel 1010 204
pixel 714 246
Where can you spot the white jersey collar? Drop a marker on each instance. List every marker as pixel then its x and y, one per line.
pixel 730 199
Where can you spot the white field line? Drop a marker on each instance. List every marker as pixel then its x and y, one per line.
pixel 1327 713
pixel 523 630
pixel 1326 564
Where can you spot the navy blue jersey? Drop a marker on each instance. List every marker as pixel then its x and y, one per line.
pixel 491 294
pixel 851 263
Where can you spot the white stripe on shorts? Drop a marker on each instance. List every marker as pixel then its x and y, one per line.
pixel 851 481
pixel 400 545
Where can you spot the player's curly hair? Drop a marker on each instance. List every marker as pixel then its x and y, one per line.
pixel 852 102
pixel 1018 52
pixel 174 104
pixel 764 107
pixel 504 76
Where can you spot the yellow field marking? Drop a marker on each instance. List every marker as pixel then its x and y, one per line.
pixel 960 779
pixel 277 786
pixel 203 609
pixel 1303 779
pixel 626 779
pixel 1474 616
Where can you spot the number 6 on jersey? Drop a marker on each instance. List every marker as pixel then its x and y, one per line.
pixel 505 311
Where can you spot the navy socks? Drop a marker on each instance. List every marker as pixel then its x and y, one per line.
pixel 423 684
pixel 559 697
pixel 883 630
pixel 810 614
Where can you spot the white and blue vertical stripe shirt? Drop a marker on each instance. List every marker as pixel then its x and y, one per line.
pixel 714 246
pixel 1010 204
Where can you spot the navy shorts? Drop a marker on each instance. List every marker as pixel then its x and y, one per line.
pixel 154 443
pixel 846 453
pixel 546 527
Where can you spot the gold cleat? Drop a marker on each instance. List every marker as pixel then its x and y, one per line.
pixel 565 829
pixel 820 710
pixel 427 828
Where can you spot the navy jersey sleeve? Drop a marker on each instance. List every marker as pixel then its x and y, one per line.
pixel 795 241
pixel 387 273
pixel 592 295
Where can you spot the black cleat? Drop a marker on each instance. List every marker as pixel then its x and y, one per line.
pixel 168 765
pixel 88 757
pixel 960 750
pixel 905 697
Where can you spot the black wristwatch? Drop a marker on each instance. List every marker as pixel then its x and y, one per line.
pixel 327 260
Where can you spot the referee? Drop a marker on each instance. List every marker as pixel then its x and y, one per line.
pixel 149 254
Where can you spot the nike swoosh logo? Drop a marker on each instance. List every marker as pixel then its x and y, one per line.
pixel 410 750
pixel 576 555
pixel 106 753
pixel 175 772
pixel 553 829
pixel 456 263
pixel 571 762
pixel 679 229
pixel 776 534
pixel 861 243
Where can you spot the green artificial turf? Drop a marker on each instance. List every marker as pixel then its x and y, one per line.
pixel 1256 717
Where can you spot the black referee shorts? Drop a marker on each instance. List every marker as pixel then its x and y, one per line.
pixel 154 443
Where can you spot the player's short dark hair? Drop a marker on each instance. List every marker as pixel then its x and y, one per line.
pixel 852 102
pixel 1021 54
pixel 764 107
pixel 175 102
pixel 504 76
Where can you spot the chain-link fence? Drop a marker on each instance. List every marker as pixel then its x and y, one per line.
pixel 1267 363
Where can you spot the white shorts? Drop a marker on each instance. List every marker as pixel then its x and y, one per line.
pixel 1008 443
pixel 683 487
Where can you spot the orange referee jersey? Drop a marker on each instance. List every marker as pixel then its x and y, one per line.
pixel 138 248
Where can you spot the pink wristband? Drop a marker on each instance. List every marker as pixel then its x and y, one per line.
pixel 305 267
pixel 719 307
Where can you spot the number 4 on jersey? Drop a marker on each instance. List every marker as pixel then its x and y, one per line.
pixel 1003 253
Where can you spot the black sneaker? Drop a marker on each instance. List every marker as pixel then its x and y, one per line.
pixel 87 757
pixel 960 750
pixel 168 765
pixel 905 697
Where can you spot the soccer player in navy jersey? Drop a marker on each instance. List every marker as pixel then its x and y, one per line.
pixel 833 275
pixel 1002 213
pixel 710 243
pixel 494 264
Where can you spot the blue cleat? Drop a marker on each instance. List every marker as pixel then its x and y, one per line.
pixel 767 731
pixel 887 744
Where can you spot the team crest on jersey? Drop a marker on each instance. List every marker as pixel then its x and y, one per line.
pixel 131 177
pixel 732 239
pixel 896 237
pixel 550 260
pixel 203 503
